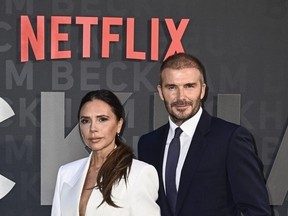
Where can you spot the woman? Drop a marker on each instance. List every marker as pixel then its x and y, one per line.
pixel 110 181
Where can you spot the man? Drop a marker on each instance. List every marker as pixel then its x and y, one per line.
pixel 218 170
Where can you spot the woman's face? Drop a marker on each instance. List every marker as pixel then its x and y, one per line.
pixel 99 126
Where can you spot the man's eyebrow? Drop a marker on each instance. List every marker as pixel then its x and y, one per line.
pixel 191 83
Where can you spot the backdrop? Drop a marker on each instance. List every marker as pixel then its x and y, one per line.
pixel 53 52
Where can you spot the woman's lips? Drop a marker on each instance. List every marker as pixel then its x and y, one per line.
pixel 94 140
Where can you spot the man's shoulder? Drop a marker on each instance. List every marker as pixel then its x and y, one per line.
pixel 164 128
pixel 220 125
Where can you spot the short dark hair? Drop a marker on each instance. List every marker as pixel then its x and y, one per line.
pixel 183 60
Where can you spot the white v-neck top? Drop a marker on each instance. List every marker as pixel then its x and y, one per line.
pixel 137 198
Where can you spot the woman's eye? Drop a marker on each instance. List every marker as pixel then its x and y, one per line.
pixel 102 119
pixel 84 121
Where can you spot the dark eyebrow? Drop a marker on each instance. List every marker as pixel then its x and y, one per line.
pixel 169 85
pixel 81 117
pixel 99 116
pixel 193 83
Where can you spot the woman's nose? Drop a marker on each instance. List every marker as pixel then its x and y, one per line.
pixel 93 127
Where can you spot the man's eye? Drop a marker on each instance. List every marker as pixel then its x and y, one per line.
pixel 171 87
pixel 190 86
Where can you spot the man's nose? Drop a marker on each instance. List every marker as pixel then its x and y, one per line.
pixel 180 93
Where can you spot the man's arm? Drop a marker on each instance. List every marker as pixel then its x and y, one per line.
pixel 245 176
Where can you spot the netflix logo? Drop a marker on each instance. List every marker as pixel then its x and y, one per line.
pixel 111 30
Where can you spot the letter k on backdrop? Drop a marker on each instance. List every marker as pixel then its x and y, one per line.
pixel 5 112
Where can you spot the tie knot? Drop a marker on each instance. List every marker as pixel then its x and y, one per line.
pixel 178 132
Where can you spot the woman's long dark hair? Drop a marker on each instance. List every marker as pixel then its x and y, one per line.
pixel 118 162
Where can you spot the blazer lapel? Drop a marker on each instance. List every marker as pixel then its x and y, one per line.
pixel 72 189
pixel 193 158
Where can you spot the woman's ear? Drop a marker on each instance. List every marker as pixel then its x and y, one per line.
pixel 120 124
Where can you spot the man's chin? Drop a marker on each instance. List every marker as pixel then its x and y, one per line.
pixel 181 117
pixel 182 112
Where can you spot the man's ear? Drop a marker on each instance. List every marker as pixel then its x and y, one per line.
pixel 159 88
pixel 203 90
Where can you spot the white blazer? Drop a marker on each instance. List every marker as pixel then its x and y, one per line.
pixel 137 198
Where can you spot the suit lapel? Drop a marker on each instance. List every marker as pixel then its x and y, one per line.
pixel 160 148
pixel 193 158
pixel 160 143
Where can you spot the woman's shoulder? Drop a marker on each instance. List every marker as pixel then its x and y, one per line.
pixel 139 168
pixel 138 164
pixel 144 174
pixel 74 164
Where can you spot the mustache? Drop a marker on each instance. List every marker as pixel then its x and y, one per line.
pixel 182 103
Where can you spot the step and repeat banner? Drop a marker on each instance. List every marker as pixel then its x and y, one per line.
pixel 53 52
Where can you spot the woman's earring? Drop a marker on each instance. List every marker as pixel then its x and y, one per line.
pixel 120 138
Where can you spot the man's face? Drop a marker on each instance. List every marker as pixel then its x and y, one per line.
pixel 182 92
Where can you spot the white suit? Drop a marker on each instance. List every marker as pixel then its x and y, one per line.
pixel 137 198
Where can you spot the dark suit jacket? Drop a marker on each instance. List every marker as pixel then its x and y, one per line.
pixel 220 175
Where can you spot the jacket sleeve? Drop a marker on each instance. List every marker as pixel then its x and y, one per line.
pixel 56 205
pixel 145 193
pixel 245 175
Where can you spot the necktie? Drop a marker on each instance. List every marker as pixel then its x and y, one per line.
pixel 170 172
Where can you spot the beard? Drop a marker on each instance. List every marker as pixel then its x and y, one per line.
pixel 178 115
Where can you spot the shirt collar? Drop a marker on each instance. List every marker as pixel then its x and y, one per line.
pixel 189 126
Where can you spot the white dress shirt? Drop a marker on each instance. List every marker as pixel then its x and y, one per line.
pixel 188 128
